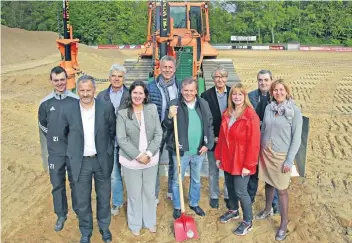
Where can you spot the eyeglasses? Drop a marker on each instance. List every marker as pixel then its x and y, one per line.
pixel 220 77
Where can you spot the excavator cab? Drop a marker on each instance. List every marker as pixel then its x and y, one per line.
pixel 181 30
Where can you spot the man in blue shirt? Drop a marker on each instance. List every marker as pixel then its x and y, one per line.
pixel 117 93
pixel 217 98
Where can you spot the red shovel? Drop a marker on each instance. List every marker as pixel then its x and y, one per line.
pixel 185 226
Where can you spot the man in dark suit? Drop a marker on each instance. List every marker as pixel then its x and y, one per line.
pixel 117 93
pixel 216 97
pixel 89 126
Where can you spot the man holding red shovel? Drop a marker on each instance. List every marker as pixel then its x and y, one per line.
pixel 195 137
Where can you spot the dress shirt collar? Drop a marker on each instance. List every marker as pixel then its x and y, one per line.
pixel 119 91
pixel 217 91
pixel 87 110
pixel 191 105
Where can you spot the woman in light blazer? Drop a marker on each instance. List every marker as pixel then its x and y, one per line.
pixel 139 135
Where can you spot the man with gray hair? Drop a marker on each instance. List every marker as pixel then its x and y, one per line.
pixel 216 97
pixel 260 98
pixel 116 94
pixel 89 127
pixel 161 91
pixel 196 137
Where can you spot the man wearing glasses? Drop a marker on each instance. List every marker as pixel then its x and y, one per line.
pixel 117 93
pixel 217 99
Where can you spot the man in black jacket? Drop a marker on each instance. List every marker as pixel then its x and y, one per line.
pixel 260 98
pixel 58 162
pixel 116 94
pixel 196 137
pixel 217 98
pixel 89 126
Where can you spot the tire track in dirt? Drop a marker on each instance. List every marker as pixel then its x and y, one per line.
pixel 315 202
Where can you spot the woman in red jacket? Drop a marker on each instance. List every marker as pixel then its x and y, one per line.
pixel 237 154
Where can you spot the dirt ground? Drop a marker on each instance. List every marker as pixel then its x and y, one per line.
pixel 320 207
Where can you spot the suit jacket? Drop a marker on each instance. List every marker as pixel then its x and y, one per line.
pixel 212 99
pixel 104 95
pixel 71 127
pixel 254 97
pixel 128 131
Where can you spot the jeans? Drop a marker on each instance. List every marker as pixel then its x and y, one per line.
pixel 195 162
pixel 170 175
pixel 237 188
pixel 214 178
pixel 116 181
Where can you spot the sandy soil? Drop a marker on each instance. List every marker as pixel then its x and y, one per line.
pixel 320 206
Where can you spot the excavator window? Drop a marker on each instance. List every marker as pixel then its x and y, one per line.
pixel 196 20
pixel 179 16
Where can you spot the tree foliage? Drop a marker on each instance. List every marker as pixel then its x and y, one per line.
pixel 125 22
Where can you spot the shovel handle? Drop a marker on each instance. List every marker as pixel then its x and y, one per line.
pixel 178 159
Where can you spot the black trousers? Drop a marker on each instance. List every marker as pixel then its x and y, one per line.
pixel 91 169
pixel 237 189
pixel 253 185
pixel 58 165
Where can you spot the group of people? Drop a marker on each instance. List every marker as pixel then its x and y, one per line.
pixel 124 131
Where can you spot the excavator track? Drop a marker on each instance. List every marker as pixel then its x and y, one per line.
pixel 137 69
pixel 209 65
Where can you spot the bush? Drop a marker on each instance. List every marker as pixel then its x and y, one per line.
pixel 348 42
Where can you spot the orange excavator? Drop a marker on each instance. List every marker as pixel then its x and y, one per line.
pixel 68 48
pixel 181 30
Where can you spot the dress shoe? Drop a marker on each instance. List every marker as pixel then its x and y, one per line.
pixel 152 229
pixel 115 210
pixel 60 222
pixel 135 233
pixel 106 235
pixel 263 215
pixel 214 203
pixel 177 213
pixel 85 239
pixel 280 235
pixel 276 209
pixel 198 210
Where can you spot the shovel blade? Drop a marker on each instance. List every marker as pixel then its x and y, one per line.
pixel 185 228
